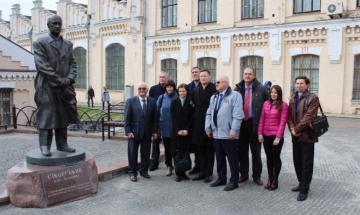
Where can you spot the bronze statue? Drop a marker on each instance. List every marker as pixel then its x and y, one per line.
pixel 54 91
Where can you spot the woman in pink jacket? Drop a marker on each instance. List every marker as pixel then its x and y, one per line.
pixel 271 132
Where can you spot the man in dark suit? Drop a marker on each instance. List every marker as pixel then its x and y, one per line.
pixel 140 125
pixel 54 91
pixel 254 96
pixel 192 86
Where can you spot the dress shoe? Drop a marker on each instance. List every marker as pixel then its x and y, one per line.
pixel 133 178
pixel 185 177
pixel 67 148
pixel 153 167
pixel 296 189
pixel 45 150
pixel 145 175
pixel 268 185
pixel 199 177
pixel 274 185
pixel 258 182
pixel 218 183
pixel 193 171
pixel 243 179
pixel 178 178
pixel 231 186
pixel 207 179
pixel 169 171
pixel 302 196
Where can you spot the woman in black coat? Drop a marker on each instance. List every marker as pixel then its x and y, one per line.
pixel 182 110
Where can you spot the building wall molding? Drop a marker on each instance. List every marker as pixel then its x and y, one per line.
pixel 305 50
pixel 112 40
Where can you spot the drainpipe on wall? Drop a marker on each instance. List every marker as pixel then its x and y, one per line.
pixel 144 70
pixel 88 51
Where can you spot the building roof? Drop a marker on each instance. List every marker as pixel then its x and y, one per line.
pixel 17 53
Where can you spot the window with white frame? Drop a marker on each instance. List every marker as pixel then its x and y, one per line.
pixel 207 10
pixel 304 6
pixel 79 54
pixel 254 62
pixel 168 13
pixel 115 66
pixel 170 66
pixel 208 63
pixel 306 65
pixel 5 104
pixel 356 80
pixel 252 9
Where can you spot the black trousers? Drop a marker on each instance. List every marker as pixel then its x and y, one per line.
pixel 248 138
pixel 46 135
pixel 273 159
pixel 90 99
pixel 155 151
pixel 168 155
pixel 227 149
pixel 206 158
pixel 197 160
pixel 303 155
pixel 133 147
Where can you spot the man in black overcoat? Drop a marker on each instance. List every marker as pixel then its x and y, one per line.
pixel 192 86
pixel 54 91
pixel 205 149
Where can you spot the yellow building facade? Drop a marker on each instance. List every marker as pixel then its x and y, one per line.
pixel 119 43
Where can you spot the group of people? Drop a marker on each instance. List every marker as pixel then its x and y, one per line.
pixel 216 121
pixel 105 97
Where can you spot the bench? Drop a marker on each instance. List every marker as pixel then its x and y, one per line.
pixel 108 122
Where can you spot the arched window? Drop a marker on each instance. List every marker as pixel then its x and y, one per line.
pixel 307 65
pixel 254 62
pixel 356 84
pixel 115 66
pixel 80 59
pixel 208 63
pixel 170 65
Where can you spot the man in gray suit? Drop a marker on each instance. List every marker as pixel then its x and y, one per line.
pixel 140 125
pixel 54 91
pixel 223 119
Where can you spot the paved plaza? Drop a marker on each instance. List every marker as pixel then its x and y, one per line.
pixel 335 187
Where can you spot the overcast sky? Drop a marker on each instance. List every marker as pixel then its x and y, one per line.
pixel 26 5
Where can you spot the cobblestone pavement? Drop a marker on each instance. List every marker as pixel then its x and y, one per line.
pixel 335 187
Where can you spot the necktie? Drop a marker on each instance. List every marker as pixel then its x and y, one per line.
pixel 219 100
pixel 144 105
pixel 247 104
pixel 217 107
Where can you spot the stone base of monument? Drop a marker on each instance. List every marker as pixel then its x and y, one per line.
pixel 30 185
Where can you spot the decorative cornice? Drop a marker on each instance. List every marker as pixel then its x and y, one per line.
pixel 352 33
pixel 17 75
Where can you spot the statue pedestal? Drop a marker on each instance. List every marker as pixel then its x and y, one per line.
pixel 31 185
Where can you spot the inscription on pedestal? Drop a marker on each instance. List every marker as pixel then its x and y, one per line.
pixel 66 183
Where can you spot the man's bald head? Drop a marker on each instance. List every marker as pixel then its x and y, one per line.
pixel 54 24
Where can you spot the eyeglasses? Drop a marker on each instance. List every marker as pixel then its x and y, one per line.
pixel 142 88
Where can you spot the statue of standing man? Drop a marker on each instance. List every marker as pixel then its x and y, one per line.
pixel 54 92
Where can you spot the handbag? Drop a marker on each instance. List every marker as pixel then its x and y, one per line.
pixel 182 162
pixel 320 125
